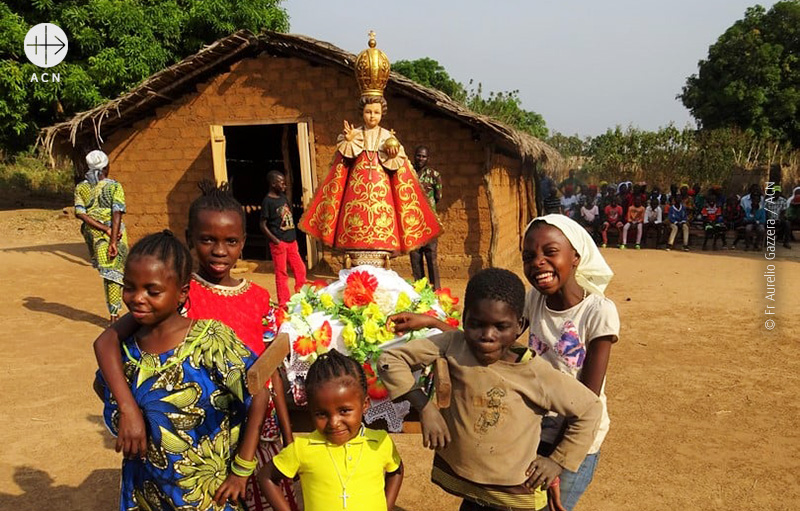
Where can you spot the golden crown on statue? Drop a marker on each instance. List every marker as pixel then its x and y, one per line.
pixel 372 69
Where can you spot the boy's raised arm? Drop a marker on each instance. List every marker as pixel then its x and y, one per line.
pixel 132 437
pixel 396 365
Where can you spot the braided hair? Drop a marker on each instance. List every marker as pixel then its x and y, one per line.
pixel 332 366
pixel 168 249
pixel 495 284
pixel 214 198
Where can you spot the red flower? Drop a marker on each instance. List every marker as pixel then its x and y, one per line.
pixel 453 322
pixel 368 370
pixel 446 299
pixel 360 289
pixel 432 313
pixel 447 295
pixel 323 335
pixel 280 317
pixel 304 345
pixel 376 389
pixel 318 284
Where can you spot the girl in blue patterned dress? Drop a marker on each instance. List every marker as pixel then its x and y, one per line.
pixel 188 378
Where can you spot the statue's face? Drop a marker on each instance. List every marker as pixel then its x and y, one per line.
pixel 372 115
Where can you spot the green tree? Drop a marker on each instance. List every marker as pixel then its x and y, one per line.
pixel 430 73
pixel 113 46
pixel 503 106
pixel 569 145
pixel 751 77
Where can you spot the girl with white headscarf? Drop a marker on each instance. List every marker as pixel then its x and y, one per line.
pixel 572 325
pixel 100 204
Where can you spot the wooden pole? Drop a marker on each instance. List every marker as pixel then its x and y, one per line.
pixel 261 371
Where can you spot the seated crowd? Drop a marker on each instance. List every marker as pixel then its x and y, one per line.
pixel 635 213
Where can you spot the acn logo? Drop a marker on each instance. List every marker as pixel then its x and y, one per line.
pixel 46 45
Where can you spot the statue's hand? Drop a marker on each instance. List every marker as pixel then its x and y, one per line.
pixel 391 147
pixel 349 132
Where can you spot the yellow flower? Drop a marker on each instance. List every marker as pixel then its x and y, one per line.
pixel 326 300
pixel 420 284
pixel 423 308
pixel 204 469
pixel 372 332
pixel 218 348
pixel 305 308
pixel 372 311
pixel 403 301
pixel 385 335
pixel 349 336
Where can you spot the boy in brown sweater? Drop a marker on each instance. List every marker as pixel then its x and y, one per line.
pixel 486 440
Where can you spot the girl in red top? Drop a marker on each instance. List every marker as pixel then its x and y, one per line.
pixel 613 214
pixel 217 233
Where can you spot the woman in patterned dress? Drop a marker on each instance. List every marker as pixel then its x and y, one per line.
pixel 100 204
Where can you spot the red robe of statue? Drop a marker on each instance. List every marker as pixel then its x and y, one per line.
pixel 369 201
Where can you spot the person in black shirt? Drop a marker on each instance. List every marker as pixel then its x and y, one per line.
pixel 277 224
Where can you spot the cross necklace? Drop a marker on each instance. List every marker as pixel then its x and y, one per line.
pixel 344 482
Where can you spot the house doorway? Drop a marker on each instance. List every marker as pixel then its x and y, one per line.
pixel 247 153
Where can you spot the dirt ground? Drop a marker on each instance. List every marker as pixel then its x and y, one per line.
pixel 703 398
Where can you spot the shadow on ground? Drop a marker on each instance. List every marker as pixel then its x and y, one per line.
pixel 75 253
pixel 39 304
pixel 109 441
pixel 99 492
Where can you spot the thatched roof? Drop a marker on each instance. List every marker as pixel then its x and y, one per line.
pixel 168 84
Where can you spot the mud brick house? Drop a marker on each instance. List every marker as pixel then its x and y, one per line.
pixel 248 104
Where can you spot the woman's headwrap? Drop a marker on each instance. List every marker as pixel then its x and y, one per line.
pixel 593 273
pixel 97 160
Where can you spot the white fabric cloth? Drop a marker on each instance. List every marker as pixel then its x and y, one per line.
pixel 589 214
pixel 568 203
pixel 593 273
pixel 562 338
pixel 653 216
pixel 390 285
pixel 97 160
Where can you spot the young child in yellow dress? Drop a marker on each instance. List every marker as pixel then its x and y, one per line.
pixel 342 464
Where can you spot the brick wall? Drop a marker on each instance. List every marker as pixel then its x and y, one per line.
pixel 161 159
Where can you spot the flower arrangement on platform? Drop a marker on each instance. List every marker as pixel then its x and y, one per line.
pixel 351 314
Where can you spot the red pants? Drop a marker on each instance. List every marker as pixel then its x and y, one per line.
pixel 282 252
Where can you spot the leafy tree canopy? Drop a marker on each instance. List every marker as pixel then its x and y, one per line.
pixel 672 155
pixel 503 106
pixel 751 77
pixel 113 46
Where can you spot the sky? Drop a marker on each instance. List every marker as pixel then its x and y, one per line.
pixel 585 66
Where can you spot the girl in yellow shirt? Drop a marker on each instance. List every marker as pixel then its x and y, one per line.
pixel 342 464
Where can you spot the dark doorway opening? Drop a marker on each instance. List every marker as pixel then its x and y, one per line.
pixel 251 152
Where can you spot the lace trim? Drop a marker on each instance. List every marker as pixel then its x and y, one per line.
pixel 242 287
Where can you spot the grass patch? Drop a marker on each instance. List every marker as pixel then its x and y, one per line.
pixel 30 178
